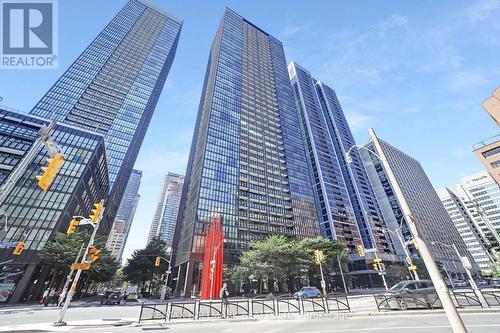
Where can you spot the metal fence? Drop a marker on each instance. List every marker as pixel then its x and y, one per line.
pixel 199 309
pixel 463 298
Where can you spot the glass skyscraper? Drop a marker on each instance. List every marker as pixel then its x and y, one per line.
pixel 165 218
pixel 345 201
pixel 125 215
pixel 247 159
pixel 33 215
pixel 113 86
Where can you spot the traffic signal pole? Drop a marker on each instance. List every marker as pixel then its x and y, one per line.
pixel 16 174
pixel 95 224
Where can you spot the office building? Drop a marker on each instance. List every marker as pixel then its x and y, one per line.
pixel 247 160
pixel 467 226
pixel 488 151
pixel 125 215
pixel 481 194
pixel 112 88
pixel 34 216
pixel 426 208
pixel 165 218
pixel 346 204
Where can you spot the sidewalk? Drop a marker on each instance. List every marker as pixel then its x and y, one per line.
pixel 83 325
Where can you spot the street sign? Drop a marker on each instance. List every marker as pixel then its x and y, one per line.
pixel 168 272
pixel 85 266
pixel 377 260
pixel 412 268
pixel 382 273
pixel 323 284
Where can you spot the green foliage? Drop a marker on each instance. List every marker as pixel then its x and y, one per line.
pixel 62 250
pixel 281 259
pixel 495 269
pixel 140 268
pixel 104 268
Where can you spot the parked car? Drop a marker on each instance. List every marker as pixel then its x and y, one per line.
pixel 461 283
pixel 307 292
pixel 482 283
pixel 495 282
pixel 410 293
pixel 111 297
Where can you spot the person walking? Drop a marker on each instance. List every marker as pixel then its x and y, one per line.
pixel 223 295
pixel 45 297
pixel 52 292
pixel 55 299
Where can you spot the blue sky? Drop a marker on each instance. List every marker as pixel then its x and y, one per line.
pixel 416 71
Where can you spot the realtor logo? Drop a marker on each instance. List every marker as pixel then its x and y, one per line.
pixel 29 34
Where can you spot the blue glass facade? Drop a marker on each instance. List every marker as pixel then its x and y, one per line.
pixel 247 159
pixel 345 200
pixel 114 85
pixel 35 216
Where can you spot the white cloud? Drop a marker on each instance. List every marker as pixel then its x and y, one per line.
pixel 481 10
pixel 292 30
pixel 359 121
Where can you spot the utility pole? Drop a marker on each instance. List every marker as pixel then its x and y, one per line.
pixel 94 221
pixel 341 273
pixel 454 318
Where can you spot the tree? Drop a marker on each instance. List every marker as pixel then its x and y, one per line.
pixel 140 267
pixel 283 260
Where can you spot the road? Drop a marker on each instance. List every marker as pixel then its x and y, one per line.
pixel 123 319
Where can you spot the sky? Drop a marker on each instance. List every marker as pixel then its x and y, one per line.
pixel 416 71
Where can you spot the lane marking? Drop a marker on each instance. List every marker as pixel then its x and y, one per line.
pixel 396 328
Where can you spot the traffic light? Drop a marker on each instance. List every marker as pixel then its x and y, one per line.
pixel 19 248
pixel 72 226
pixel 157 261
pixel 414 241
pixel 93 253
pixel 50 171
pixel 375 266
pixel 319 256
pixel 361 250
pixel 97 211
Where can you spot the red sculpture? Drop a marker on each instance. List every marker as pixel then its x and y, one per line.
pixel 213 260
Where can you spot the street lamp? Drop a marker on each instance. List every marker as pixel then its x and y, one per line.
pixel 465 264
pixel 399 236
pixel 341 270
pixel 212 268
pixel 456 322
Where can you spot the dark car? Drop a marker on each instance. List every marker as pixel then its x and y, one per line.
pixel 409 294
pixel 307 292
pixel 114 297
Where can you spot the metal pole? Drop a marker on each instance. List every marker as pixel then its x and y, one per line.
pixel 70 274
pixel 407 254
pixel 60 320
pixel 449 276
pixel 382 274
pixel 342 274
pixel 323 284
pixel 456 322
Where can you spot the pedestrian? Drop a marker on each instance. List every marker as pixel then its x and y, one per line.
pixel 62 297
pixel 52 292
pixel 55 299
pixel 223 295
pixel 45 297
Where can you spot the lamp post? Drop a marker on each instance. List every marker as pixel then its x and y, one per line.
pixel 212 268
pixel 466 266
pixel 163 296
pixel 456 322
pixel 399 236
pixel 342 271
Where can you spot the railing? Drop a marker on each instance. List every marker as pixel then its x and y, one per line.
pixel 492 297
pixel 466 298
pixel 194 310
